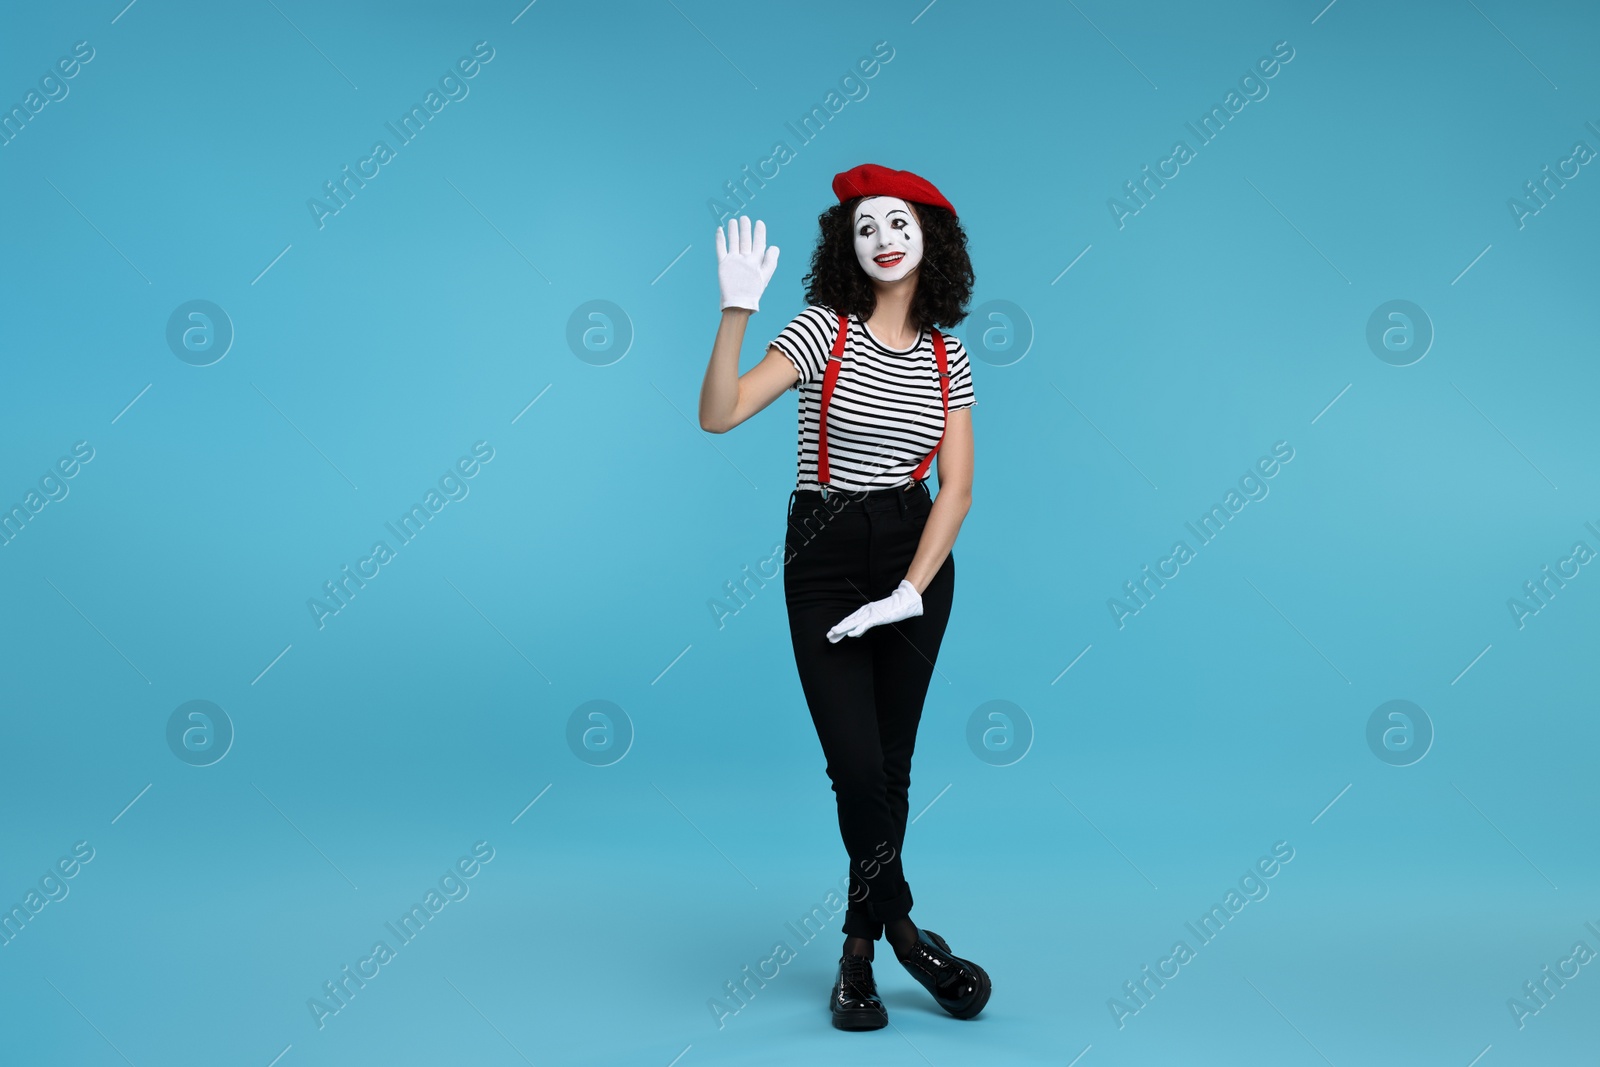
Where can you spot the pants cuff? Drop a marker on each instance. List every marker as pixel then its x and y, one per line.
pixel 896 907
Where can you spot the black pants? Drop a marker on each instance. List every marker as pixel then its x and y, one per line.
pixel 865 693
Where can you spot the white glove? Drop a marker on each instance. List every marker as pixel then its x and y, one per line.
pixel 903 603
pixel 744 263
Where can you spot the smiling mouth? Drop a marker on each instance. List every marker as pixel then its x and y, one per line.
pixel 888 259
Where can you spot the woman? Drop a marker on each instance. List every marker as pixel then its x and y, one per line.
pixel 869 575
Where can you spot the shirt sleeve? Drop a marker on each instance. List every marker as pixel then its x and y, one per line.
pixel 807 341
pixel 961 393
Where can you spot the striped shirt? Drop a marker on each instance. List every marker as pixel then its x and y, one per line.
pixel 884 415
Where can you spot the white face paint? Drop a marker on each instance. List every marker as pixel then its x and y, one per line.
pixel 888 238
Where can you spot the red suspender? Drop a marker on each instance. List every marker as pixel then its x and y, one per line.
pixel 828 379
pixel 827 394
pixel 944 395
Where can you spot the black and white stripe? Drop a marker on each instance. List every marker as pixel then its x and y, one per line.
pixel 885 413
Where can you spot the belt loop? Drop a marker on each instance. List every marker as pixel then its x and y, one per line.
pixel 900 498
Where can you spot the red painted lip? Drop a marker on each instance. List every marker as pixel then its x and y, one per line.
pixel 888 259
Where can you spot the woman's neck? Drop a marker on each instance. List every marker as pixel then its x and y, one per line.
pixel 891 318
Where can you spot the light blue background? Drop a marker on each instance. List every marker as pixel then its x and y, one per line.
pixel 428 314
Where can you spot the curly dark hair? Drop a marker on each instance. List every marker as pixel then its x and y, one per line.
pixel 944 283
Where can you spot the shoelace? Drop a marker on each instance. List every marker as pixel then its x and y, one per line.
pixel 857 972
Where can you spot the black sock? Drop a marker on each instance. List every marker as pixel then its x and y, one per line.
pixel 901 934
pixel 858 946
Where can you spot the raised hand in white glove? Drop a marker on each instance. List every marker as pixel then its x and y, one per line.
pixel 744 263
pixel 903 603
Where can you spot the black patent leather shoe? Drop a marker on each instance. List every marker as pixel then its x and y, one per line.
pixel 960 986
pixel 855 1002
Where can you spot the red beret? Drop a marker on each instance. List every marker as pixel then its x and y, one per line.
pixel 869 179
